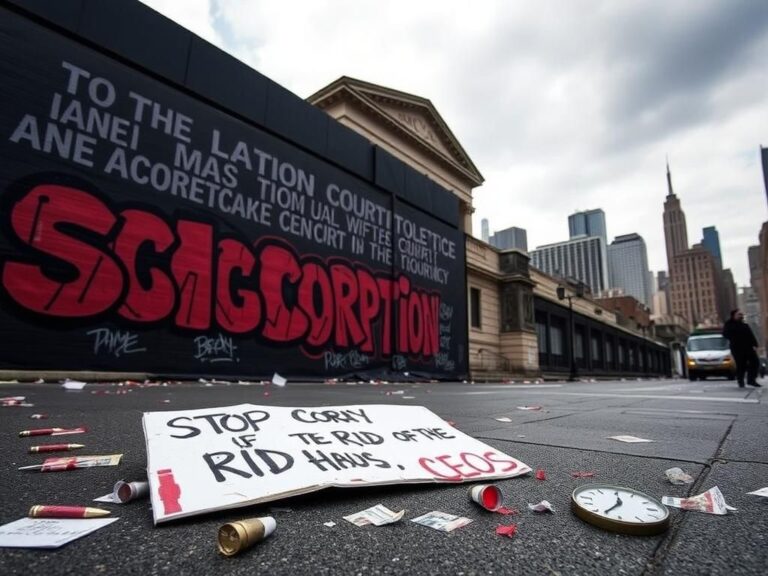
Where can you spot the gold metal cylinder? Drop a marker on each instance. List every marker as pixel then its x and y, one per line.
pixel 236 537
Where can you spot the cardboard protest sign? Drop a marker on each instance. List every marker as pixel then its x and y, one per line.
pixel 218 458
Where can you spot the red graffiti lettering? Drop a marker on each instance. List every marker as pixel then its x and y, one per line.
pixel 50 220
pixel 81 258
pixel 150 291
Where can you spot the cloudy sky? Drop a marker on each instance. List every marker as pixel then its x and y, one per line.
pixel 562 105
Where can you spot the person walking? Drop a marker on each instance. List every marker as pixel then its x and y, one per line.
pixel 743 348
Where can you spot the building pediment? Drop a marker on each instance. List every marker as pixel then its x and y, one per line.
pixel 415 117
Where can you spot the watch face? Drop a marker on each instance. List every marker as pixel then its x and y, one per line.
pixel 619 509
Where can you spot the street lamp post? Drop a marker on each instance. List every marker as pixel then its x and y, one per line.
pixel 561 295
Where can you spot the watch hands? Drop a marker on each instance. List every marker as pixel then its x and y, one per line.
pixel 618 503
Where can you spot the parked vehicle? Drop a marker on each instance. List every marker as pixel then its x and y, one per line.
pixel 709 354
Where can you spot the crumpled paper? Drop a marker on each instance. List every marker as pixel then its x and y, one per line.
pixel 710 502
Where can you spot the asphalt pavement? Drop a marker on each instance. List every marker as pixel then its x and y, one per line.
pixel 715 431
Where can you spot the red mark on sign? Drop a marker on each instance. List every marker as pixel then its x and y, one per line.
pixel 169 491
pixel 466 465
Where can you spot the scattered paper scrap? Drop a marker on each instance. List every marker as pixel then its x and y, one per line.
pixel 278 380
pixel 762 492
pixel 543 506
pixel 378 515
pixel 678 477
pixel 409 397
pixel 507 511
pixel 441 521
pixel 62 464
pixel 110 498
pixel 541 475
pixel 329 524
pixel 711 502
pixel 73 384
pixel 629 439
pixel 532 408
pixel 509 531
pixel 12 399
pixel 48 532
pixel 38 416
pixel 503 419
pixel 582 474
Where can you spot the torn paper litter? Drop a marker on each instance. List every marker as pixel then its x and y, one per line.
pixel 378 515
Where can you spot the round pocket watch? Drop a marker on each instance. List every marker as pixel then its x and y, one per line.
pixel 620 509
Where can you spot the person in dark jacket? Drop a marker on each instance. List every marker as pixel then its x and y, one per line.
pixel 743 348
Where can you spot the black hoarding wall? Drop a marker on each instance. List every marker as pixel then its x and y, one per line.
pixel 168 222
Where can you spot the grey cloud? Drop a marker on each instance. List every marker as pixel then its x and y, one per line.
pixel 665 67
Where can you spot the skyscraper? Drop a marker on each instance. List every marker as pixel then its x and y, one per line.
pixel 588 223
pixel 694 277
pixel 711 241
pixel 695 287
pixel 484 229
pixel 628 267
pixel 675 230
pixel 510 238
pixel 582 258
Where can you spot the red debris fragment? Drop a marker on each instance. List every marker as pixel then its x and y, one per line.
pixel 508 531
pixel 541 475
pixel 582 474
pixel 507 511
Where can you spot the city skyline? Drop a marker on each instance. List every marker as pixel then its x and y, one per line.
pixel 560 113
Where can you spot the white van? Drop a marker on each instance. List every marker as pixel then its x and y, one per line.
pixel 709 354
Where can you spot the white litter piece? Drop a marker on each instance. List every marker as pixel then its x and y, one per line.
pixel 110 498
pixel 378 515
pixel 503 419
pixel 73 384
pixel 48 532
pixel 629 439
pixel 531 408
pixel 710 502
pixel 543 506
pixel 329 524
pixel 278 380
pixel 762 492
pixel 441 521
pixel 678 477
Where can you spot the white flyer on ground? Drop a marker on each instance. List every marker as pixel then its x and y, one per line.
pixel 48 532
pixel 378 515
pixel 629 439
pixel 218 458
pixel 441 521
pixel 711 502
pixel 762 492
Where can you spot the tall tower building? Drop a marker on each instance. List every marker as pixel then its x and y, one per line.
pixel 628 267
pixel 675 230
pixel 711 241
pixel 588 223
pixel 695 287
pixel 510 238
pixel 582 258
pixel 485 229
